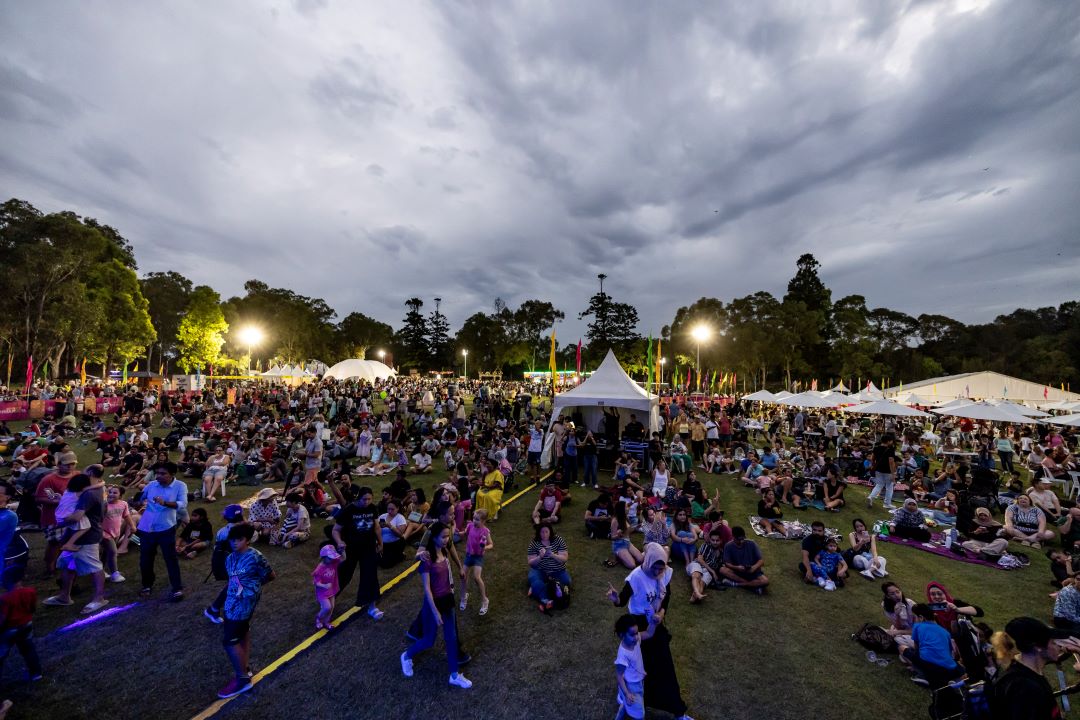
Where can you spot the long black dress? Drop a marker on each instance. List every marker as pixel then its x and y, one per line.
pixel 661 683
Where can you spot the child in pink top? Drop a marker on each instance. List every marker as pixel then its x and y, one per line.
pixel 477 542
pixel 116 526
pixel 325 577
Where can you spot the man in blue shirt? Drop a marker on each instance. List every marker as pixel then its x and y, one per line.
pixel 769 459
pixel 165 495
pixel 934 653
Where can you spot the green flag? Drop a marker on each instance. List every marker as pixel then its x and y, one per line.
pixel 649 365
pixel 125 372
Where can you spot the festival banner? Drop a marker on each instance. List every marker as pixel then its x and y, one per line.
pixel 14 410
pixel 107 405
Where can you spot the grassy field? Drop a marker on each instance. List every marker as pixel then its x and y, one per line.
pixel 785 654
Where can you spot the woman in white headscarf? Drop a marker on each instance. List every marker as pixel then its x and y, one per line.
pixel 645 592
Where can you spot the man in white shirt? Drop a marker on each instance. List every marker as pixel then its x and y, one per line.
pixel 421 462
pixel 536 447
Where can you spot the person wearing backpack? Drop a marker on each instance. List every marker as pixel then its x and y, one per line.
pixel 13 547
pixel 1021 691
pixel 233 515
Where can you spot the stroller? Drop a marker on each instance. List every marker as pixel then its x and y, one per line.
pixel 985 485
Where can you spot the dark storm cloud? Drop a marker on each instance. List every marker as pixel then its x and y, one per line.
pixel 926 153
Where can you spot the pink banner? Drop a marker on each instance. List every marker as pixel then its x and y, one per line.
pixel 14 410
pixel 109 405
pixel 54 408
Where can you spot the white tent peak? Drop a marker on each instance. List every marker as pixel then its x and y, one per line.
pixel 609 381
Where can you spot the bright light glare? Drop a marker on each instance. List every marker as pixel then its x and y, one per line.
pixel 465 353
pixel 251 335
pixel 701 333
pixel 382 354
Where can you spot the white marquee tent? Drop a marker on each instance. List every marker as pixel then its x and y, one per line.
pixel 985 385
pixel 369 370
pixel 608 387
pixel 885 407
pixel 760 396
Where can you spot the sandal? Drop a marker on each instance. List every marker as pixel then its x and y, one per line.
pixel 610 563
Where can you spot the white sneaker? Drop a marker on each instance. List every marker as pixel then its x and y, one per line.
pixel 459 680
pixel 464 602
pixel 406 664
pixel 830 585
pixel 867 573
pixel 116 577
pixel 821 582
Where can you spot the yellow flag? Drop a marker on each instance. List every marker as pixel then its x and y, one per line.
pixel 82 371
pixel 554 366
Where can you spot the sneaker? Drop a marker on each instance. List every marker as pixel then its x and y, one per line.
pixel 234 687
pixel 177 596
pixel 889 506
pixel 93 607
pixel 459 680
pixel 920 680
pixel 375 613
pixel 116 577
pixel 145 592
pixel 212 616
pixel 464 602
pixel 484 607
pixel 830 586
pixel 878 572
pixel 869 503
pixel 406 665
pixel 821 582
pixel 729 583
pixel 464 659
pixel 56 601
pixel 867 573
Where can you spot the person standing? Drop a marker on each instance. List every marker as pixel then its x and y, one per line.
pixel 313 453
pixel 165 496
pixel 248 572
pixel 884 471
pixel 356 533
pixel 47 495
pixel 1021 690
pixel 536 449
pixel 81 551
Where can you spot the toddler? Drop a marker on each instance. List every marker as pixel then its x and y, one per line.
pixel 325 577
pixel 829 567
pixel 629 667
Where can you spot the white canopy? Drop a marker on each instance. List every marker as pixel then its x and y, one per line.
pixel 987 384
pixel 1070 420
pixel 911 399
pixel 608 387
pixel 868 393
pixel 760 396
pixel 810 400
pixel 885 407
pixel 841 387
pixel 1019 409
pixel 985 411
pixel 955 403
pixel 275 371
pixel 368 370
pixel 782 394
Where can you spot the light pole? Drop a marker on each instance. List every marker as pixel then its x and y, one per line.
pixel 663 361
pixel 465 354
pixel 250 336
pixel 700 333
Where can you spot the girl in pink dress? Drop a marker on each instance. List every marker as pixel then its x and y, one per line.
pixel 325 577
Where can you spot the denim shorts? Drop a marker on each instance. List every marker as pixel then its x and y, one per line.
pixel 474 560
pixel 617 545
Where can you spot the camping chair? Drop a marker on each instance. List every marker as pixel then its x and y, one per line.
pixel 985 485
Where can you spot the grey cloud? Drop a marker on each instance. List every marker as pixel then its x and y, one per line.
pixel 24 98
pixel 352 87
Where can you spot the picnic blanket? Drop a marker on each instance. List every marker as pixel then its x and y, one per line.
pixel 793 529
pixel 936 547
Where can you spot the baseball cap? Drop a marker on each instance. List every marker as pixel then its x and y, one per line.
pixel 67 458
pixel 233 513
pixel 1029 633
pixel 329 551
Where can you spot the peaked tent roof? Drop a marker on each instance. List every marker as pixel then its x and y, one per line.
pixel 760 396
pixel 369 370
pixel 986 384
pixel 609 382
pixel 885 407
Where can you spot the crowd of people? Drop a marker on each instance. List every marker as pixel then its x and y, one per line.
pixel 445 468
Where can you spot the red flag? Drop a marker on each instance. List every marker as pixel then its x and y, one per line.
pixel 689 377
pixel 579 356
pixel 1046 392
pixel 29 374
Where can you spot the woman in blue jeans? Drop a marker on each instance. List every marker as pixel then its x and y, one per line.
pixel 547 561
pixel 589 460
pixel 438 609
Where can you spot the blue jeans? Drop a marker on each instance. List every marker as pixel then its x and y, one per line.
pixel 538 580
pixel 431 631
pixel 882 481
pixel 591 462
pixel 149 542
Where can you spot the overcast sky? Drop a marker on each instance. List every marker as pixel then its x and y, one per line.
pixel 925 152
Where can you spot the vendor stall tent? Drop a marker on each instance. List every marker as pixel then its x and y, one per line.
pixel 608 387
pixel 353 369
pixel 1068 420
pixel 760 396
pixel 1019 409
pixel 811 399
pixel 985 385
pixel 885 407
pixel 868 393
pixel 986 411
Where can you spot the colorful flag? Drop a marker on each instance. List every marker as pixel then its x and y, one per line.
pixel 136 367
pixel 813 385
pixel 45 371
pixel 29 374
pixel 659 365
pixel 578 359
pixel 10 360
pixel 125 372
pixel 689 378
pixel 712 382
pixel 648 364
pixel 554 367
pixel 1046 393
pixel 82 371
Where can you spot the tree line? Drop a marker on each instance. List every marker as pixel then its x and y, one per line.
pixel 72 294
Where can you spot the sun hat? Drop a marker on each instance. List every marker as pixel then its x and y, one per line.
pixel 266 494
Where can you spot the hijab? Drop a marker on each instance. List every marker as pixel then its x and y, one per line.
pixel 648 591
pixel 945 618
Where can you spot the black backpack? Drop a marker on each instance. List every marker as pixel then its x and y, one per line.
pixel 217 560
pixel 559 594
pixel 873 637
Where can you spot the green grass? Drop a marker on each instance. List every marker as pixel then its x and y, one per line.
pixel 786 654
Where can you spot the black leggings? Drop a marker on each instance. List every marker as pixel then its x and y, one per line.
pixel 367 589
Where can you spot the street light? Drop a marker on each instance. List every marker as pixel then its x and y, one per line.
pixel 700 333
pixel 465 354
pixel 663 361
pixel 250 336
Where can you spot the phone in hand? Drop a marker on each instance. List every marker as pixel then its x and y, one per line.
pixel 938 606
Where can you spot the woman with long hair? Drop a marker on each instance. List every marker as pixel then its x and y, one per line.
pixel 622 547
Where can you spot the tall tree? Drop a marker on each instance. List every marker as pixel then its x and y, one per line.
pixel 296 327
pixel 202 330
pixel 438 338
pixel 357 332
pixel 168 294
pixel 613 325
pixel 807 288
pixel 411 340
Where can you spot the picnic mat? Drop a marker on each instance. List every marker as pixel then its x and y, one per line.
pixel 793 529
pixel 938 549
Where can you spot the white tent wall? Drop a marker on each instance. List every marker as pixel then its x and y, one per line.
pixel 984 385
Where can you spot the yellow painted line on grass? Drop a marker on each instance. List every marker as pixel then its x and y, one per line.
pixel 319 634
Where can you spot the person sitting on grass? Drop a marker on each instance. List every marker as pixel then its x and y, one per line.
pixel 598 517
pixel 753 472
pixel 743 563
pixel 829 566
pixel 908 522
pixel 264 514
pixel 196 535
pixel 812 544
pixel 770 515
pixel 714 460
pixel 1067 608
pixel 933 652
pixel 629 665
pixel 947 609
pixel 1061 566
pixel 549 505
pixel 622 546
pixel 1044 498
pixel 898 609
pixel 832 489
pixel 296 526
pixel 704 570
pixel 547 556
pixel 863 552
pixel 684 535
pixel 248 572
pixel 1026 523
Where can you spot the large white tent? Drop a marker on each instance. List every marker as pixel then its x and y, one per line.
pixel 885 407
pixel 986 411
pixel 609 387
pixel 354 369
pixel 1070 420
pixel 811 399
pixel 760 396
pixel 868 394
pixel 985 385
